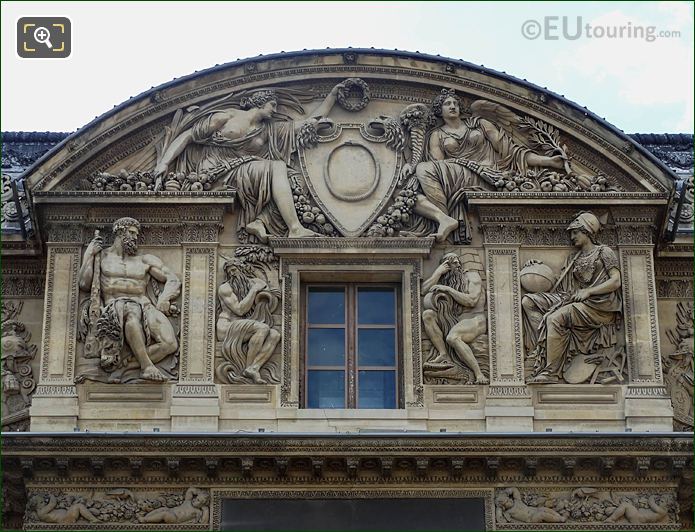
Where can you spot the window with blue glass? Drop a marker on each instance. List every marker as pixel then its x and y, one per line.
pixel 351 346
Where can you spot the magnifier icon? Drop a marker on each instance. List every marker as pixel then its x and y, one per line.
pixel 43 36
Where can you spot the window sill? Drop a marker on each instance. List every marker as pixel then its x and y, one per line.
pixel 351 413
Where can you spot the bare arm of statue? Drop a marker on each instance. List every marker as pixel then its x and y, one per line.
pixel 228 298
pixel 556 161
pixel 434 147
pixel 161 272
pixel 87 268
pixel 327 104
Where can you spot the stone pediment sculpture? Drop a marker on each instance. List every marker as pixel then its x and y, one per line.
pixel 405 176
pixel 126 329
pixel 242 143
pixel 572 321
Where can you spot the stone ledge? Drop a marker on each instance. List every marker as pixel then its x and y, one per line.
pixel 346 246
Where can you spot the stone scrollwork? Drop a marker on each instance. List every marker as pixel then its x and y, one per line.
pixel 119 506
pixel 678 367
pixel 245 333
pixel 455 321
pixel 125 326
pixel 584 505
pixel 17 378
pixel 571 321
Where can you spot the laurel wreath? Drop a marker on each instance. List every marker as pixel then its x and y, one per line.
pixel 344 92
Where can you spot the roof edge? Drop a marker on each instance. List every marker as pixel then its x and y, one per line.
pixel 373 51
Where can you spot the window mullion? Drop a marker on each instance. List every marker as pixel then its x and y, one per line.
pixel 351 320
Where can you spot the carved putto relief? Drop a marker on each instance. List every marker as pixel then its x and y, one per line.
pixel 678 367
pixel 17 378
pixel 120 505
pixel 126 327
pixel 572 319
pixel 584 505
pixel 245 334
pixel 455 321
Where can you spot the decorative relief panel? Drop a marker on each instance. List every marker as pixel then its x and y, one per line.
pixel 246 330
pixel 23 278
pixel 455 322
pixel 121 508
pixel 197 327
pixel 572 319
pixel 289 174
pixel 18 381
pixel 678 367
pixel 585 508
pixel 126 324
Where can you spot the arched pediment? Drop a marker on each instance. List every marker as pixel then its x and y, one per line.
pixel 392 76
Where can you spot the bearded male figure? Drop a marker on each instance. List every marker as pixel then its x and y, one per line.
pixel 129 319
pixel 455 312
pixel 244 323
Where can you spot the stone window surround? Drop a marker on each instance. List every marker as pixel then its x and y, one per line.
pixel 297 270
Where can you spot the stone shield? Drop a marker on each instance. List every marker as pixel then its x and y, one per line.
pixel 350 174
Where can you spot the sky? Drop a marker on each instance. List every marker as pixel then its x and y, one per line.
pixel 120 49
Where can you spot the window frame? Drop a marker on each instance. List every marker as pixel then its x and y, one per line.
pixel 351 327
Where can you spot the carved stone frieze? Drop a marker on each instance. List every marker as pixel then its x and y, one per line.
pixel 239 77
pixel 674 288
pixel 674 278
pixel 534 226
pixel 23 278
pixel 162 225
pixel 585 506
pixel 117 507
